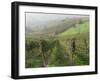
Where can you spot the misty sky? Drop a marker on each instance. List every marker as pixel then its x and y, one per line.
pixel 34 20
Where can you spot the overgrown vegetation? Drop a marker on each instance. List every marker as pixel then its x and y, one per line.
pixel 70 48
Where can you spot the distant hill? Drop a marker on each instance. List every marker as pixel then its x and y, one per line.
pixel 56 26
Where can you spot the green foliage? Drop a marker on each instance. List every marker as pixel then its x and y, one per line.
pixel 59 52
pixel 70 48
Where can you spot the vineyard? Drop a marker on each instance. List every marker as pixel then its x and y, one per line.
pixel 67 48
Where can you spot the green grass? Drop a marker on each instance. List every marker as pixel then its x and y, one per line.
pixel 80 28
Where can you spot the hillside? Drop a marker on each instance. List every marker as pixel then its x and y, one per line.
pixel 80 28
pixel 63 42
pixel 56 26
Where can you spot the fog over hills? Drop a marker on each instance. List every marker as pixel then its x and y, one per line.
pixel 42 23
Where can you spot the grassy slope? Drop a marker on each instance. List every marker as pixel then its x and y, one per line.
pixel 81 28
pixel 80 31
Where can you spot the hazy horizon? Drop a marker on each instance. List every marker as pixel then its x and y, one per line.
pixel 41 22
